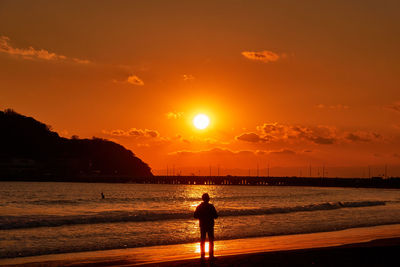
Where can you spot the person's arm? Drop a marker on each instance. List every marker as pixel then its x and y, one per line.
pixel 215 213
pixel 196 213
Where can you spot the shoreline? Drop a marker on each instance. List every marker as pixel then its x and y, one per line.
pixel 231 251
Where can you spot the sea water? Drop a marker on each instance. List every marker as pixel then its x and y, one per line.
pixel 48 218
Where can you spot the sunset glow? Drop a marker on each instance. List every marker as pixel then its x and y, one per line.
pixel 201 121
pixel 207 248
pixel 135 131
pixel 277 87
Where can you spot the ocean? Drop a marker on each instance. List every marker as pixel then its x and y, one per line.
pixel 49 218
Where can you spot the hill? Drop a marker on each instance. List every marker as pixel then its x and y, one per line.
pixel 31 151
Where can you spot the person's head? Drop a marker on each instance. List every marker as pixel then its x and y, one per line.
pixel 205 197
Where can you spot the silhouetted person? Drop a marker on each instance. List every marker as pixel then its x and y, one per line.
pixel 102 195
pixel 206 213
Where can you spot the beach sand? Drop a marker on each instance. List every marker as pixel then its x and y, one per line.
pixel 369 246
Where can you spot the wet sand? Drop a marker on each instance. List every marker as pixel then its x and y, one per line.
pixel 381 252
pixel 370 246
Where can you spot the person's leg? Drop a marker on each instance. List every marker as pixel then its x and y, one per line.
pixel 211 241
pixel 202 241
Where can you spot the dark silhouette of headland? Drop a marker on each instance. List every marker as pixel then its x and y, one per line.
pixel 30 151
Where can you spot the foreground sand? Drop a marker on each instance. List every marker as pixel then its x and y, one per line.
pixel 381 252
pixel 371 246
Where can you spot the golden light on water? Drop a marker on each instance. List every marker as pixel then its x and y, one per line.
pixel 195 204
pixel 207 248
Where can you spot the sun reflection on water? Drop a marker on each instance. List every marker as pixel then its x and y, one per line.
pixel 207 247
pixel 195 204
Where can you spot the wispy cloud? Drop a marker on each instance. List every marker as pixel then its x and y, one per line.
pixel 281 132
pixel 219 152
pixel 394 107
pixel 188 77
pixel 174 115
pixel 319 134
pixel 212 152
pixel 81 61
pixel 333 107
pixel 133 132
pixel 283 152
pixel 132 79
pixel 135 80
pixel 264 56
pixel 362 136
pixel 250 137
pixel 31 53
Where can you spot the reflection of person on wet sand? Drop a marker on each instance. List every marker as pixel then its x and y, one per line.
pixel 206 213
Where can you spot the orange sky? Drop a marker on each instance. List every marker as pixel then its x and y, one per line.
pixel 285 83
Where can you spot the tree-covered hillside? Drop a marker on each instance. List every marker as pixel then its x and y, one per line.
pixel 29 149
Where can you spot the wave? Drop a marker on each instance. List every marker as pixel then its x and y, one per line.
pixel 124 200
pixel 33 221
pixel 312 207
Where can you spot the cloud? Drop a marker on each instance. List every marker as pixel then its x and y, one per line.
pixel 283 152
pixel 334 107
pixel 362 137
pixel 220 152
pixel 276 132
pixel 188 77
pixel 250 137
pixel 282 132
pixel 264 56
pixel 32 53
pixel 396 126
pixel 323 140
pixel 394 107
pixel 133 132
pixel 81 61
pixel 320 134
pixel 275 152
pixel 132 79
pixel 135 80
pixel 212 152
pixel 174 115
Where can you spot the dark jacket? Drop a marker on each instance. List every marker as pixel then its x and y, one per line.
pixel 206 214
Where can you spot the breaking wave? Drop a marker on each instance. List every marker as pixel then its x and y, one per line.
pixel 33 221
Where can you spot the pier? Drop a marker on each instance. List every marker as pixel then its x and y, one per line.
pixel 375 182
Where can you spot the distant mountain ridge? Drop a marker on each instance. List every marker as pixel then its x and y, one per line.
pixel 29 149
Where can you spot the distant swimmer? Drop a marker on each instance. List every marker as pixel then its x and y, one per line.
pixel 206 213
pixel 102 195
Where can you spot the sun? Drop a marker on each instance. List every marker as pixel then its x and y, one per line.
pixel 201 121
